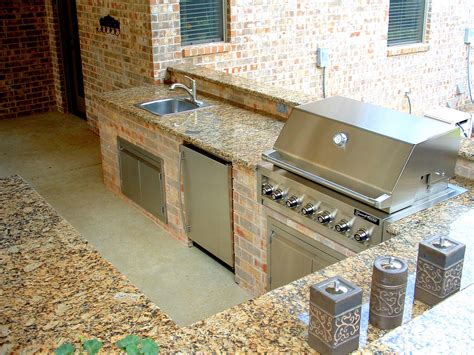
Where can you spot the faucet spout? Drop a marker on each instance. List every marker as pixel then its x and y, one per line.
pixel 191 91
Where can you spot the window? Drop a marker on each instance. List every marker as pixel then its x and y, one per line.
pixel 202 21
pixel 406 23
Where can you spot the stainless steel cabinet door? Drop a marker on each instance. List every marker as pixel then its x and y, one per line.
pixel 293 255
pixel 151 189
pixel 141 176
pixel 130 176
pixel 289 261
pixel 208 203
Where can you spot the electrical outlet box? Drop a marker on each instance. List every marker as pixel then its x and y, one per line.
pixel 469 36
pixel 322 57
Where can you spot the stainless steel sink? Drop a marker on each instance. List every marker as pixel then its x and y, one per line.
pixel 169 106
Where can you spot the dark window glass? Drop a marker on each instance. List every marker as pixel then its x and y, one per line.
pixel 406 22
pixel 202 21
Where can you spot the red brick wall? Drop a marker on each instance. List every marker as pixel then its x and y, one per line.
pixel 26 76
pixel 114 62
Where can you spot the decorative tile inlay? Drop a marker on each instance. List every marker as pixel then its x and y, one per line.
pixel 321 324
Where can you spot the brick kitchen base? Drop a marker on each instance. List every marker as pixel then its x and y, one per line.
pixel 249 227
pixel 249 215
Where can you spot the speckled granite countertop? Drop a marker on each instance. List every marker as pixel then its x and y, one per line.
pixel 436 331
pixel 235 134
pixel 55 287
pixel 466 150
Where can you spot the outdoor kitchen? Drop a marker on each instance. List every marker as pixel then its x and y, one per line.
pixel 270 178
pixel 334 184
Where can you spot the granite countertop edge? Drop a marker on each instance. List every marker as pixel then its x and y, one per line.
pixel 265 91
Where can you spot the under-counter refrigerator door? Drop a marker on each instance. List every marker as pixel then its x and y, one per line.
pixel 208 203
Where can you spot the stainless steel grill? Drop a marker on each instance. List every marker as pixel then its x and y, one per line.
pixel 347 168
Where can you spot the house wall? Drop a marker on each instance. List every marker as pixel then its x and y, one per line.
pixel 112 62
pixel 275 42
pixel 26 74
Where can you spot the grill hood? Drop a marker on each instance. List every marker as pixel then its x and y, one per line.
pixel 389 160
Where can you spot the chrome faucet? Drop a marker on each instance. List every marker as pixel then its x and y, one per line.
pixel 191 91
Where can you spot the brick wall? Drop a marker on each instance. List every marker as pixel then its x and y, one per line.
pixel 275 42
pixel 114 62
pixel 250 240
pixel 26 75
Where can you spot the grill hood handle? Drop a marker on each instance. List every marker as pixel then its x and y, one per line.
pixel 377 202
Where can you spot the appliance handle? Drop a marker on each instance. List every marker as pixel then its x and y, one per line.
pixel 376 202
pixel 180 194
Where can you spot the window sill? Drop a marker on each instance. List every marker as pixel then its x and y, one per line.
pixel 206 49
pixel 407 49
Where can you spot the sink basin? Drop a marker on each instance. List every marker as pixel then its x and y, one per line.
pixel 169 106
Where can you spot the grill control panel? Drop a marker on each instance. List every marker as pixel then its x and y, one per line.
pixel 329 213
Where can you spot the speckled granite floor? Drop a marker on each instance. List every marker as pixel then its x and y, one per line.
pixel 54 287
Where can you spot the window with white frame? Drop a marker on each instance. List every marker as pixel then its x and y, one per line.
pixel 202 21
pixel 406 24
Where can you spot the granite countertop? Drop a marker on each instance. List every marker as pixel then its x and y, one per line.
pixel 436 331
pixel 233 133
pixel 55 287
pixel 466 150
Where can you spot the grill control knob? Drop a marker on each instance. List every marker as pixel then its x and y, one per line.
pixel 362 235
pixel 277 195
pixel 342 226
pixel 293 202
pixel 324 217
pixel 308 209
pixel 267 189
